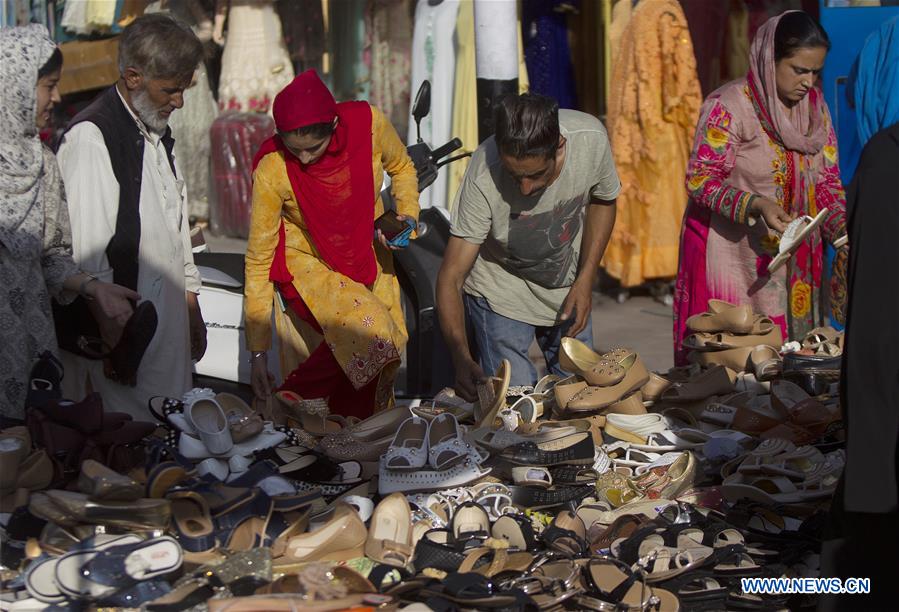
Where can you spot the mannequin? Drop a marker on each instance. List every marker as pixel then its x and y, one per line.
pixel 255 63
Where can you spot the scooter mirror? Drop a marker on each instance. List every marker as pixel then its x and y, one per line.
pixel 422 105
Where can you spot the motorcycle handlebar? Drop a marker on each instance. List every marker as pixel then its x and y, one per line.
pixel 446 149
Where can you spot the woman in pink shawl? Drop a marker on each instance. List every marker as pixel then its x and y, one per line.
pixel 764 148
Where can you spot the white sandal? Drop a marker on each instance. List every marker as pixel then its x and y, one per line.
pixel 409 449
pixel 446 446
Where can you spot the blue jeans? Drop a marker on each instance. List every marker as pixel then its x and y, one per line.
pixel 497 337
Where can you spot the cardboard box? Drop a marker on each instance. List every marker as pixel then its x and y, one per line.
pixel 89 64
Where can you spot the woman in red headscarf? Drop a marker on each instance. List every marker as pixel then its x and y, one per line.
pixel 316 194
pixel 765 149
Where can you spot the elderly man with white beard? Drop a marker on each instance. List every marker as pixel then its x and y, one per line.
pixel 129 215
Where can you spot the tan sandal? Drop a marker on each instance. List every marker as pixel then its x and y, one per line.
pixel 492 395
pixel 766 363
pixel 598 370
pixel 723 317
pixel 716 381
pixel 390 536
pixel 312 415
pixel 340 539
pixel 597 398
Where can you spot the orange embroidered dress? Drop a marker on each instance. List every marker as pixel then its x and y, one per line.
pixel 653 107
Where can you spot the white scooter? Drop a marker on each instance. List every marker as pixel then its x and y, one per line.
pixel 428 369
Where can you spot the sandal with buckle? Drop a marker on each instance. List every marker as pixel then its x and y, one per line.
pixel 475 590
pixel 559 581
pixel 470 524
pixel 390 535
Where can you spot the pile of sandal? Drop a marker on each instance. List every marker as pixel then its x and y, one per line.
pixel 612 488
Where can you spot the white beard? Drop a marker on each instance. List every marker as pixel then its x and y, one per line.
pixel 143 106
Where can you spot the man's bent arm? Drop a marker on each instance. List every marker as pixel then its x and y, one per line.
pixel 600 219
pixel 458 260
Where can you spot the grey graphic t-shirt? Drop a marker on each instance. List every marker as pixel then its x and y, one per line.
pixel 530 245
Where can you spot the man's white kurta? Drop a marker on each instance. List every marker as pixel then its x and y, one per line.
pixel 166 268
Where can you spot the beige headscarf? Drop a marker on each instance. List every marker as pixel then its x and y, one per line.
pixel 23 50
pixel 802 131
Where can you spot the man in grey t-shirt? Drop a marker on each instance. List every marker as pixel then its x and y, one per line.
pixel 530 223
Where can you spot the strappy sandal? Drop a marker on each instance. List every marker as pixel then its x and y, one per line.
pixel 192 521
pixel 600 539
pixel 475 591
pixel 94 574
pixel 559 581
pixel 777 457
pixel 567 534
pixel 542 431
pixel 614 586
pixel 698 590
pixel 445 402
pixel 780 489
pixel 796 232
pixel 500 560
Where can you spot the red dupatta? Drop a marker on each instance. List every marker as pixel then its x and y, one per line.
pixel 336 193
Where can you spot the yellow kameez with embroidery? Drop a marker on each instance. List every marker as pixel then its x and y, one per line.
pixel 363 326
